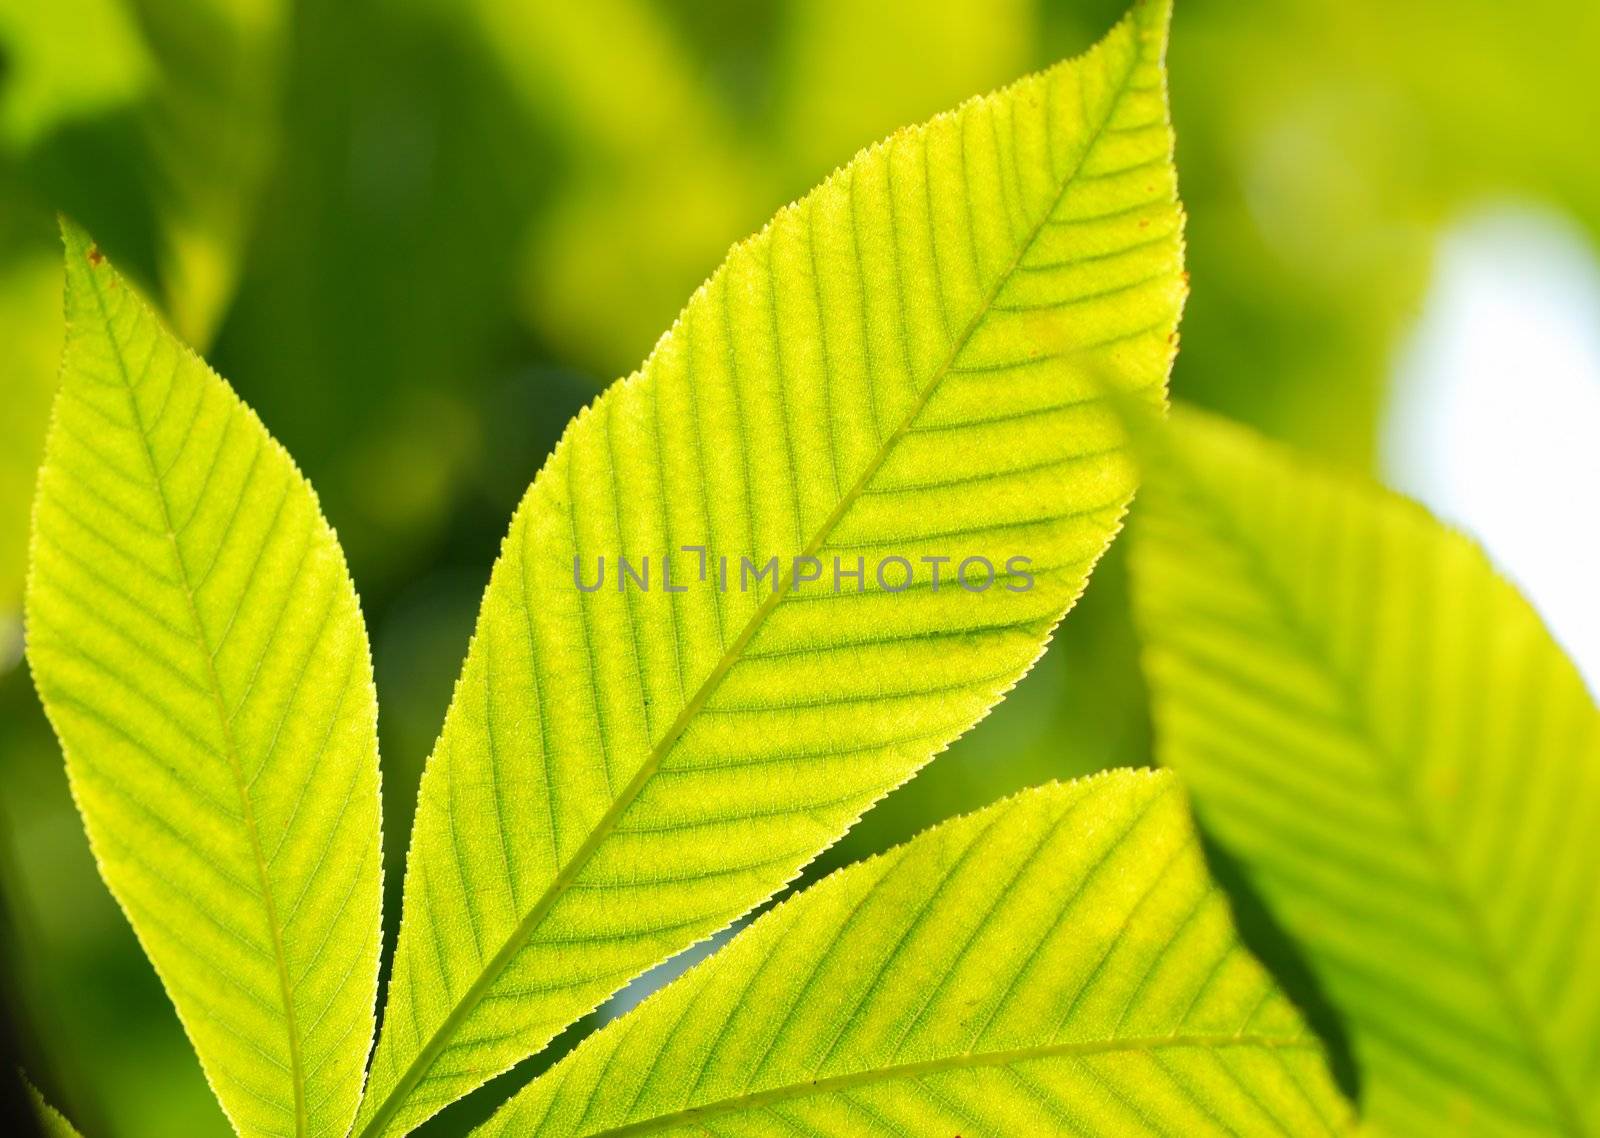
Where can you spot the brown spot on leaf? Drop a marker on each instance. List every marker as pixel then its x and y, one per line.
pixel 95 256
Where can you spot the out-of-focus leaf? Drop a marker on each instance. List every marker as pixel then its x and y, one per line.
pixel 1382 731
pixel 30 333
pixel 51 1120
pixel 655 185
pixel 1324 148
pixel 661 173
pixel 210 131
pixel 197 644
pixel 66 60
pixel 851 72
pixel 375 327
pixel 155 120
pixel 909 363
pixel 1059 963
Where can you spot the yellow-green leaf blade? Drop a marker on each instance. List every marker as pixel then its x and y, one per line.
pixel 197 644
pixel 52 1123
pixel 1383 731
pixel 909 362
pixel 1058 963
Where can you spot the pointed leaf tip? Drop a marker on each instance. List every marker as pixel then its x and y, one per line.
pixel 197 645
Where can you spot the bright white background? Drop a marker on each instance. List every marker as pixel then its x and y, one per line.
pixel 1494 417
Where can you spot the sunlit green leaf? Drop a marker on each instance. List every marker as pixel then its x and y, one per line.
pixel 196 642
pixel 1382 730
pixel 909 363
pixel 1059 963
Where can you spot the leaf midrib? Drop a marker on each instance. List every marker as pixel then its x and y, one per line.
pixel 230 744
pixel 965 1061
pixel 1303 637
pixel 419 1066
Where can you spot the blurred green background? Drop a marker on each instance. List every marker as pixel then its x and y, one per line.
pixel 418 235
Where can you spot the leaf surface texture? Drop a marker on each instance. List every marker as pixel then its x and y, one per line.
pixel 911 361
pixel 1380 727
pixel 198 647
pixel 1058 963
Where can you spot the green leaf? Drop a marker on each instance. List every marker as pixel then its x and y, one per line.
pixel 1058 963
pixel 909 362
pixel 198 647
pixel 1381 729
pixel 848 72
pixel 212 132
pixel 52 1123
pixel 181 99
pixel 628 216
pixel 66 62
